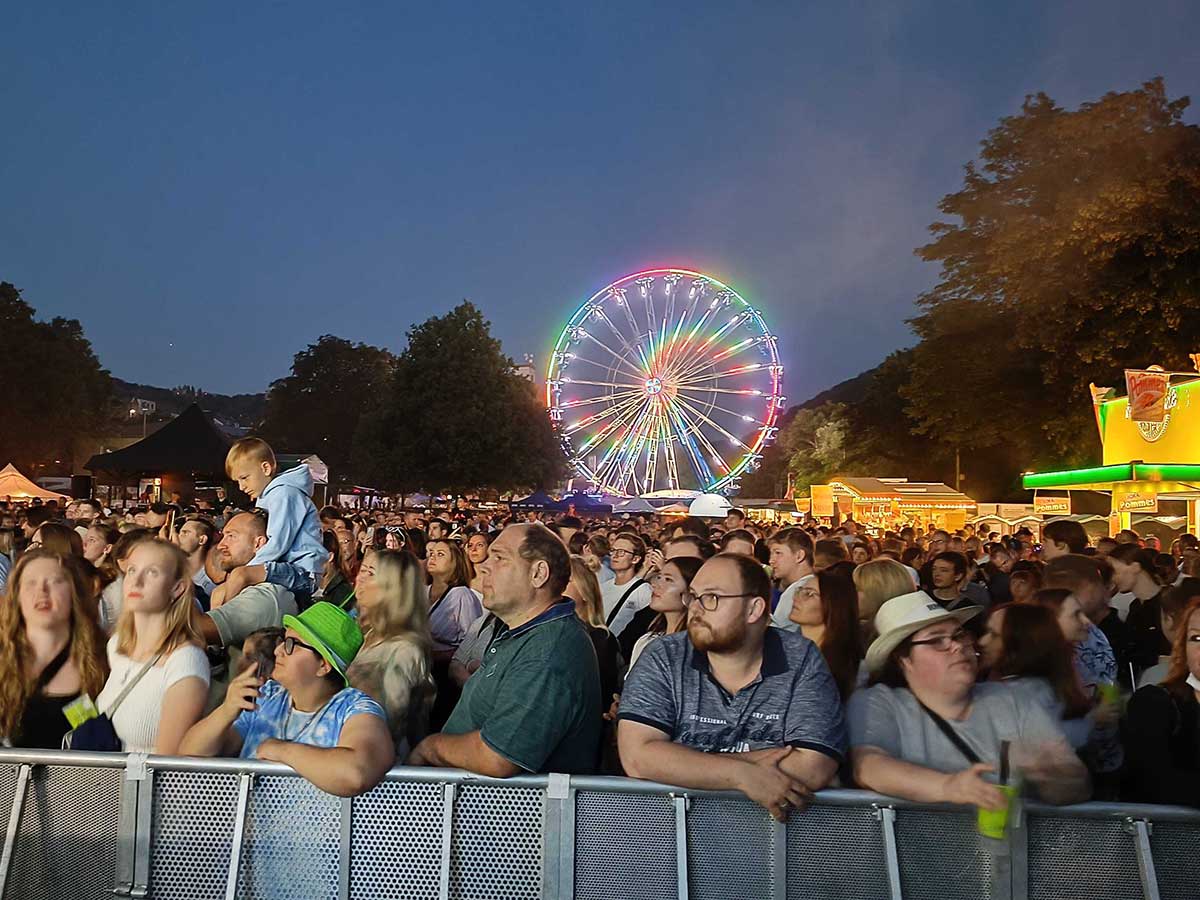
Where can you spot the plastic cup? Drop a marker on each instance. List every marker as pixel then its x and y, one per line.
pixel 993 823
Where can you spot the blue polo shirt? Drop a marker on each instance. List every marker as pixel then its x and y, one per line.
pixel 535 698
pixel 793 702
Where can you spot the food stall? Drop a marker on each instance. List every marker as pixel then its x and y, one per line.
pixel 1150 465
pixel 891 502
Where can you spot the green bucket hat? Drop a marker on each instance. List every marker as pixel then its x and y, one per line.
pixel 331 631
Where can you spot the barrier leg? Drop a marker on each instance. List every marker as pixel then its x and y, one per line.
pixel 239 835
pixel 558 839
pixel 141 780
pixel 779 849
pixel 14 825
pixel 891 853
pixel 1140 829
pixel 347 810
pixel 681 846
pixel 449 792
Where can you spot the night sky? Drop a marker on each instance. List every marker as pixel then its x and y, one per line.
pixel 210 187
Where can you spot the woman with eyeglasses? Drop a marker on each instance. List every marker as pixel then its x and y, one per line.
pixel 926 731
pixel 1162 739
pixel 826 609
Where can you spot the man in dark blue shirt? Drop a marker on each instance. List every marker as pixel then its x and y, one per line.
pixel 733 704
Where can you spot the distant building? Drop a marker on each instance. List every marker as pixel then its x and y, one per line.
pixel 528 370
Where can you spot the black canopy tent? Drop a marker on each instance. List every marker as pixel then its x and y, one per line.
pixel 187 449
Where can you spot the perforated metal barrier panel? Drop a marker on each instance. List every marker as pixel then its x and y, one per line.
pixel 835 853
pixel 192 834
pixel 187 830
pixel 396 842
pixel 66 845
pixel 1069 859
pixel 624 840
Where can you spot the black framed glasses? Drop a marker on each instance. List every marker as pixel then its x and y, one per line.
pixel 943 642
pixel 291 643
pixel 710 600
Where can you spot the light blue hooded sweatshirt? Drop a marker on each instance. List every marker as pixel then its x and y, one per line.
pixel 293 528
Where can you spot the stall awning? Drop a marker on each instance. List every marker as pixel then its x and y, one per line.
pixel 1166 478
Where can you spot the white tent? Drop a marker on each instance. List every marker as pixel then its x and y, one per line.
pixel 15 486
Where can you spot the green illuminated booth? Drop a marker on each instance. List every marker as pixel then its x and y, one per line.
pixel 1144 462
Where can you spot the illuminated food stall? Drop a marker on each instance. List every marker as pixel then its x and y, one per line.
pixel 1151 452
pixel 885 502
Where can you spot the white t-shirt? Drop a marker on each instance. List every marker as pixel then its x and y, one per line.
pixel 1121 602
pixel 783 610
pixel 611 593
pixel 136 719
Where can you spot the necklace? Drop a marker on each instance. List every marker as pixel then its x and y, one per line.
pixel 303 728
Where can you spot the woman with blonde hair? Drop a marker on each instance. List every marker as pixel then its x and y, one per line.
pixel 160 673
pixel 879 580
pixel 395 664
pixel 584 589
pixel 51 649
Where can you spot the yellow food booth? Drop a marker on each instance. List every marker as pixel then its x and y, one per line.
pixel 886 502
pixel 1151 452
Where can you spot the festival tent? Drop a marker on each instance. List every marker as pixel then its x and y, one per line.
pixel 634 505
pixel 187 450
pixel 16 486
pixel 538 501
pixel 189 444
pixel 585 504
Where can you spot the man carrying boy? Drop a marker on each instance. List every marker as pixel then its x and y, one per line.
pixel 294 555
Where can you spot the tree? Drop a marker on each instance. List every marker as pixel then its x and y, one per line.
pixel 456 416
pixel 317 408
pixel 1076 254
pixel 54 386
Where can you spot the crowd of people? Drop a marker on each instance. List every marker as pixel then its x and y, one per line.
pixel 707 653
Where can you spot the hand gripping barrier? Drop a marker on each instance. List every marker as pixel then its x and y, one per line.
pixel 94 825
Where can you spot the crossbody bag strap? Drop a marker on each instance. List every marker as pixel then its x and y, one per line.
pixel 112 710
pixel 951 735
pixel 637 583
pixel 52 669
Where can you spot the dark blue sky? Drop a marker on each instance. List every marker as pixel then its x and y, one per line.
pixel 209 187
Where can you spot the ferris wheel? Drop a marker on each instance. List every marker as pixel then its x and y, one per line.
pixel 665 379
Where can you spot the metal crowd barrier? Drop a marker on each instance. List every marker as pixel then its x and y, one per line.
pixel 96 825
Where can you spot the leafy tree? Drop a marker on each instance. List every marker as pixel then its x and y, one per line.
pixel 54 386
pixel 318 406
pixel 1076 254
pixel 457 417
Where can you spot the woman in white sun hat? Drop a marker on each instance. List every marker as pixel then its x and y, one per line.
pixel 926 731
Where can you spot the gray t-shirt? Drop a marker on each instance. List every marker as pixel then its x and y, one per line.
pixel 794 701
pixel 892 720
pixel 258 606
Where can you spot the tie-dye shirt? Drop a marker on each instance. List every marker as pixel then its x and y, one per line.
pixel 275 719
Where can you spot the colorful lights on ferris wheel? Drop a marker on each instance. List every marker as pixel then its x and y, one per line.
pixel 659 405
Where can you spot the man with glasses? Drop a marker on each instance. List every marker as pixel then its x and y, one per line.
pixel 732 704
pixel 307 716
pixel 627 593
pixel 926 731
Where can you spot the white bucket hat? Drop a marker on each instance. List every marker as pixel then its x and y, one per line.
pixel 904 616
pixel 710 506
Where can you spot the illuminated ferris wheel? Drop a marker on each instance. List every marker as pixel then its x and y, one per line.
pixel 665 379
